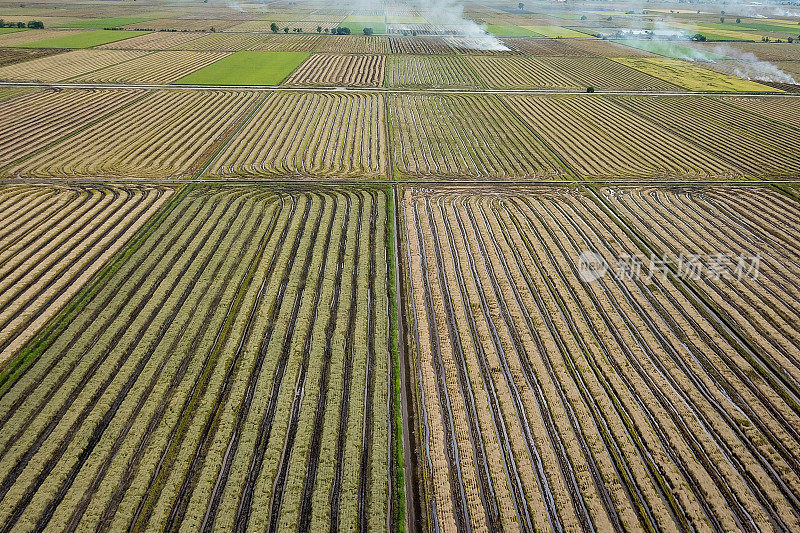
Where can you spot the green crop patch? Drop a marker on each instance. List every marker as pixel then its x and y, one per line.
pixel 9 30
pixel 247 68
pixel 110 22
pixel 511 31
pixel 84 39
pixel 357 28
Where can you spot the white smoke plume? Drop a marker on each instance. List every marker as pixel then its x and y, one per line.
pixel 447 16
pixel 750 67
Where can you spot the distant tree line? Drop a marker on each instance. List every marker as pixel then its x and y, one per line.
pixel 32 24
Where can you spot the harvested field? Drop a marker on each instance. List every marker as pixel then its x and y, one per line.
pixel 431 72
pixel 605 74
pixel 167 134
pixel 340 70
pixel 10 56
pixel 785 110
pixel 80 40
pixel 288 43
pixel 307 135
pixel 36 119
pixel 605 48
pixel 755 145
pixel 355 44
pixel 28 36
pixel 599 139
pixel 547 402
pixel 736 225
pixel 222 42
pixel 454 136
pixel 67 65
pixel 153 41
pixel 158 67
pixel 545 47
pixel 764 51
pixel 419 45
pixel 183 25
pixel 231 372
pixel 53 240
pixel 520 73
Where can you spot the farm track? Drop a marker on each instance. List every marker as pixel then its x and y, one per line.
pixel 670 400
pixel 101 403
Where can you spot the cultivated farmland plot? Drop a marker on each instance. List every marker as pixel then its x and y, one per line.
pixel 430 72
pixel 231 371
pixel 521 73
pixel 598 139
pixel 68 65
pixel 549 400
pixel 53 240
pixel 165 134
pixel 153 41
pixel 784 110
pixel 755 145
pixel 158 67
pixel 288 43
pixel 452 136
pixel 36 119
pixel 310 135
pixel 355 44
pixel 340 71
pixel 605 74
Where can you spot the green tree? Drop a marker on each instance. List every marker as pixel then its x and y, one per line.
pixel 319 29
pixel 521 6
pixel 368 31
pixel 273 27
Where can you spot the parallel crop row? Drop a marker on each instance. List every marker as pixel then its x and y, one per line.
pixel 549 401
pixel 166 134
pixel 233 373
pixel 36 119
pixel 159 67
pixel 520 73
pixel 753 144
pixel 68 65
pixel 340 70
pixel 599 138
pixel 53 240
pixel 355 44
pixel 157 40
pixel 430 72
pixel 447 136
pixel 310 135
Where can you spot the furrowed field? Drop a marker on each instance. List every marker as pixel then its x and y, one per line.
pixel 230 370
pixel 549 401
pixel 311 266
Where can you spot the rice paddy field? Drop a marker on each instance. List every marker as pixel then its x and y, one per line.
pixel 507 267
